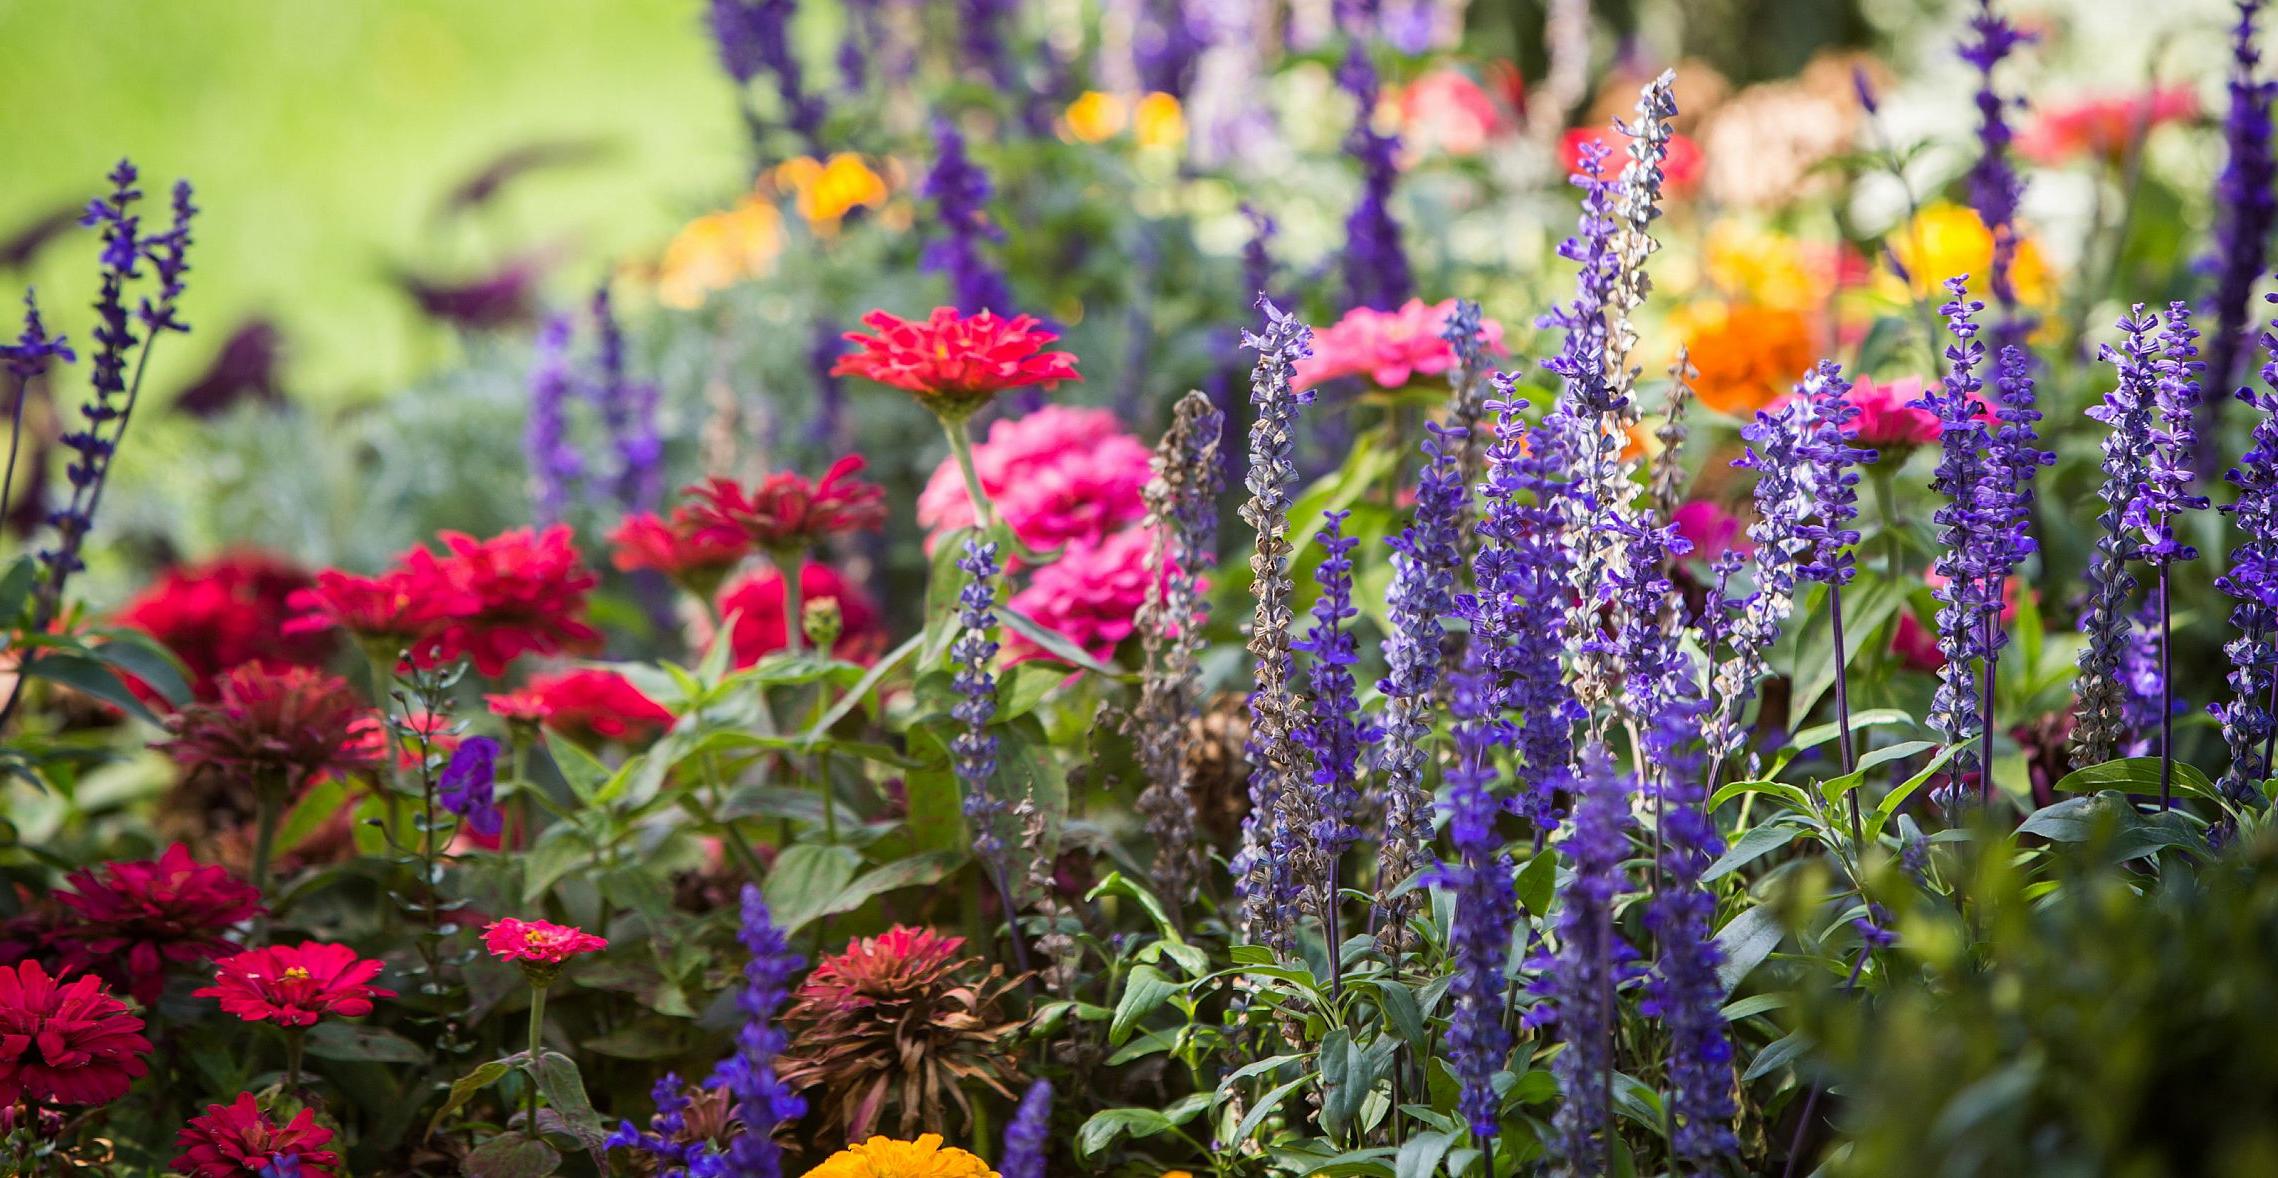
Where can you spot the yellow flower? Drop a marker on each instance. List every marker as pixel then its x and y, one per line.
pixel 718 250
pixel 1747 355
pixel 1762 266
pixel 1096 116
pixel 829 190
pixel 882 1157
pixel 1947 239
pixel 1158 121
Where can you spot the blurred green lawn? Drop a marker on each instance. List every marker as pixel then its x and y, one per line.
pixel 320 134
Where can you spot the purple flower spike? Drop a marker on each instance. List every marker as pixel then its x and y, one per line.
pixel 1486 906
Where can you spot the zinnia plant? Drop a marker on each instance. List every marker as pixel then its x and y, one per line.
pixel 241 1140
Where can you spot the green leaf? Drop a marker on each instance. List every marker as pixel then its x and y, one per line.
pixel 559 851
pixel 1349 1072
pixel 2135 775
pixel 1024 685
pixel 804 882
pixel 865 685
pixel 564 1089
pixel 585 774
pixel 1776 1055
pixel 1265 1108
pixel 510 1155
pixel 1143 991
pixel 1744 943
pixel 1055 643
pixel 1757 843
pixel 154 665
pixel 1834 788
pixel 1420 1155
pixel 322 803
pixel 16 589
pixel 1118 884
pixel 1819 734
pixel 1897 796
pixel 1106 1125
pixel 1399 1005
pixel 1537 881
pixel 2075 820
pixel 333 1039
pixel 464 1088
pixel 1794 797
pixel 1868 602
pixel 91 677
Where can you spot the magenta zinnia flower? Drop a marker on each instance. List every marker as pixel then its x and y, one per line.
pixel 65 1042
pixel 238 1140
pixel 1091 595
pixel 133 920
pixel 1060 475
pixel 295 986
pixel 1391 348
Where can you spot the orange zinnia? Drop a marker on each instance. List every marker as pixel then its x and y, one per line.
pixel 1747 355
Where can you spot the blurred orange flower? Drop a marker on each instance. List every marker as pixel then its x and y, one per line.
pixel 827 190
pixel 718 250
pixel 1746 354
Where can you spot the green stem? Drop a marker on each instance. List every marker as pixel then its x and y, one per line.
pixel 293 1046
pixel 270 800
pixel 1884 476
pixel 961 445
pixel 537 1031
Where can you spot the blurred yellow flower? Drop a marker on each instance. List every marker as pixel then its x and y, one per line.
pixel 882 1157
pixel 829 190
pixel 718 250
pixel 1096 116
pixel 1747 355
pixel 1758 265
pixel 1159 122
pixel 1946 239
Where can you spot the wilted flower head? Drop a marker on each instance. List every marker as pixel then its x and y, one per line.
pixel 283 727
pixel 65 1042
pixel 238 1140
pixel 955 363
pixel 1389 347
pixel 295 986
pixel 131 920
pixel 1057 476
pixel 903 1013
pixel 786 513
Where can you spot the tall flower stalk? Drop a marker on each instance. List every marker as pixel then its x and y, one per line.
pixel 2013 460
pixel 1579 982
pixel 2251 581
pixel 1279 814
pixel 1182 516
pixel 1425 556
pixel 763 1101
pixel 2129 415
pixel 1957 711
pixel 27 360
pixel 1747 626
pixel 1486 905
pixel 2246 208
pixel 960 192
pixel 2165 498
pixel 1375 263
pixel 1994 186
pixel 1831 468
pixel 973 751
pixel 1333 734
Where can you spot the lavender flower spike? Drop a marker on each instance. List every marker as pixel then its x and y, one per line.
pixel 2251 581
pixel 1591 960
pixel 1334 735
pixel 960 192
pixel 1026 1138
pixel 2128 414
pixel 2246 207
pixel 1777 443
pixel 1994 186
pixel 1424 560
pixel 1486 906
pixel 754 36
pixel 628 412
pixel 1375 263
pixel 973 752
pixel 1279 818
pixel 762 1101
pixel 27 360
pixel 555 464
pixel 1182 515
pixel 1963 520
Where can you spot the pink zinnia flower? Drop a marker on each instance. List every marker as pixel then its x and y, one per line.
pixel 1888 419
pixel 1447 110
pixel 295 986
pixel 1711 530
pixel 1057 476
pixel 132 919
pixel 65 1042
pixel 1389 347
pixel 1089 596
pixel 238 1140
pixel 538 942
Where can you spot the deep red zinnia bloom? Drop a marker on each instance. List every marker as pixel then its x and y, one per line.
pixel 954 363
pixel 756 602
pixel 521 592
pixel 678 547
pixel 283 727
pixel 238 1140
pixel 786 513
pixel 381 608
pixel 227 612
pixel 538 941
pixel 585 702
pixel 295 986
pixel 65 1042
pixel 131 920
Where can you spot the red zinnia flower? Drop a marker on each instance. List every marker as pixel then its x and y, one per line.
pixel 955 363
pixel 518 593
pixel 226 612
pixel 238 1140
pixel 371 608
pixel 134 919
pixel 786 513
pixel 65 1042
pixel 284 727
pixel 537 941
pixel 585 702
pixel 757 603
pixel 294 987
pixel 678 547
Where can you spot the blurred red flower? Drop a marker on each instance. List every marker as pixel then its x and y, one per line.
pixel 785 513
pixel 226 612
pixel 1681 171
pixel 128 921
pixel 520 592
pixel 955 363
pixel 295 986
pixel 757 603
pixel 378 608
pixel 65 1042
pixel 679 548
pixel 2102 127
pixel 585 702
pixel 238 1140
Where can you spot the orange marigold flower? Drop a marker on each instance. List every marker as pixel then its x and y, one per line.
pixel 1747 355
pixel 883 1157
pixel 955 363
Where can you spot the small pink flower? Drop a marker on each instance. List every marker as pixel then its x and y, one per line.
pixel 2102 126
pixel 538 942
pixel 1446 110
pixel 1711 530
pixel 1058 476
pixel 1888 419
pixel 1389 347
pixel 1089 596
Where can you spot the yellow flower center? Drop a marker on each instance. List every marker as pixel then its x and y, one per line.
pixel 295 973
